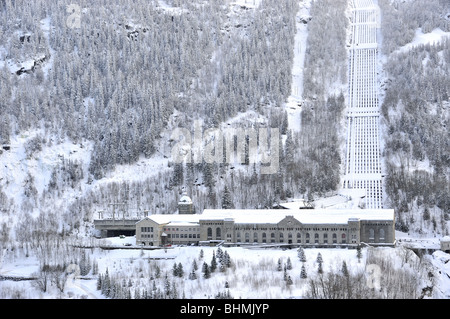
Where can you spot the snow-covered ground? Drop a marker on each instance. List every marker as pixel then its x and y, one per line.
pixel 421 38
pixel 253 274
pixel 16 165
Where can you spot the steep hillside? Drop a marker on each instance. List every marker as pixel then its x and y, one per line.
pixel 415 110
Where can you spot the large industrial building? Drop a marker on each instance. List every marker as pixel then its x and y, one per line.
pixel 306 227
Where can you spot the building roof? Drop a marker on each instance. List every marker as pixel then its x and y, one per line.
pixel 305 216
pixel 173 218
pixel 185 200
pixel 263 216
pixel 183 223
pixel 445 239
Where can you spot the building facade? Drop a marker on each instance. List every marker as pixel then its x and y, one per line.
pixel 185 205
pixel 301 227
pixel 444 244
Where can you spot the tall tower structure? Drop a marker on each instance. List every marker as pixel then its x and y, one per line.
pixel 185 205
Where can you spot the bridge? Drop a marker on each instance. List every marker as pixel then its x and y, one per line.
pixel 115 227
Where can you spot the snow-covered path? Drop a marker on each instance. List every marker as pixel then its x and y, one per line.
pixel 294 102
pixel 363 166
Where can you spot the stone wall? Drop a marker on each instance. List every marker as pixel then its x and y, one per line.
pixel 377 232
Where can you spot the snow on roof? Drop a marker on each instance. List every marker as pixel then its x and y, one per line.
pixel 174 218
pixel 445 238
pixel 183 223
pixel 294 204
pixel 185 200
pixel 260 216
pixel 306 216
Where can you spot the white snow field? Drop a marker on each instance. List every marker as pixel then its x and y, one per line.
pixel 254 272
pixel 362 158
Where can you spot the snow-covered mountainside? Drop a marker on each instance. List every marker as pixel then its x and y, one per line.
pixel 414 64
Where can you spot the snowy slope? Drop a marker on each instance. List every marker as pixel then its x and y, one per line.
pixel 294 101
pixel 421 38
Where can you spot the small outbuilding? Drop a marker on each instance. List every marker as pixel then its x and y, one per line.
pixel 445 244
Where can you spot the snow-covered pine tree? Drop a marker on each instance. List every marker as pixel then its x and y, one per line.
pixel 344 269
pixel 175 270
pixel 213 266
pixel 301 254
pixel 303 274
pixel 358 253
pixel 180 270
pixel 288 264
pixel 192 275
pixel 174 291
pixel 99 282
pixel 227 202
pixel 167 287
pixel 219 255
pixel 206 271
pixel 279 265
pixel 319 258
pixel 289 281
pixel 226 259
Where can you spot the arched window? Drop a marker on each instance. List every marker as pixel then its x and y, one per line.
pixel 281 235
pixel 263 235
pixel 334 238
pixel 316 238
pixel 299 235
pixel 209 233
pixel 218 233
pixel 343 236
pixel 255 237
pixel 272 235
pixel 289 235
pixel 371 234
pixel 381 234
pixel 247 237
pixel 307 235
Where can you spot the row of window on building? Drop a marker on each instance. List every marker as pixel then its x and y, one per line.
pixel 273 238
pixel 193 236
pixel 264 238
pixel 281 238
